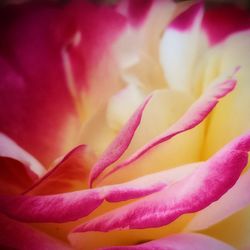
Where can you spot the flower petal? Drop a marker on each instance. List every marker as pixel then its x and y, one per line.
pixel 70 206
pixel 190 194
pixel 179 242
pixel 16 235
pixel 51 57
pixel 120 144
pixel 234 200
pixel 233 112
pixel 68 175
pixel 221 21
pixel 15 177
pixel 8 148
pixel 194 115
pixel 181 46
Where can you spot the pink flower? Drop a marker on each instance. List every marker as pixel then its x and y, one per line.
pixel 124 124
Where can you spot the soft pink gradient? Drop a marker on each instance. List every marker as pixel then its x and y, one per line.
pixel 193 116
pixel 35 99
pixel 234 200
pixel 120 144
pixel 192 193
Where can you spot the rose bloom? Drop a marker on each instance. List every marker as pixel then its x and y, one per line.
pixel 124 126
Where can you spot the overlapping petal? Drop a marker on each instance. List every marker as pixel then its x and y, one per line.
pixel 233 201
pixel 8 148
pixel 74 205
pixel 120 144
pixel 51 57
pixel 181 46
pixel 15 177
pixel 198 111
pixel 68 175
pixel 192 193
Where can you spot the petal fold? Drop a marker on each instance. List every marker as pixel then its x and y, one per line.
pixel 234 200
pixel 191 194
pixel 197 112
pixel 68 175
pixel 120 144
pixel 8 148
pixel 74 205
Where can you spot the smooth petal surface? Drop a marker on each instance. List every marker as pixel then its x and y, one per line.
pixel 16 235
pixel 137 49
pixel 233 112
pixel 221 21
pixel 198 111
pixel 181 46
pixel 15 177
pixel 8 148
pixel 179 242
pixel 50 60
pixel 234 200
pixel 70 206
pixel 68 175
pixel 120 144
pixel 191 194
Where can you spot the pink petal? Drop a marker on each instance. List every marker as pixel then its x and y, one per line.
pixel 120 144
pixel 234 200
pixel 16 235
pixel 188 195
pixel 219 22
pixel 8 148
pixel 37 101
pixel 68 175
pixel 179 242
pixel 74 205
pixel 15 177
pixel 194 116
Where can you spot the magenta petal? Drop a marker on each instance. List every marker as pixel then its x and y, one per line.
pixel 16 235
pixel 219 22
pixel 8 148
pixel 194 116
pixel 74 205
pixel 179 242
pixel 234 200
pixel 186 19
pixel 36 102
pixel 190 194
pixel 15 177
pixel 68 175
pixel 50 208
pixel 120 144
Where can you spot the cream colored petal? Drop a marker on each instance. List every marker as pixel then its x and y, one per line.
pixel 232 115
pixel 235 230
pixel 137 49
pixel 165 107
pixel 181 49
